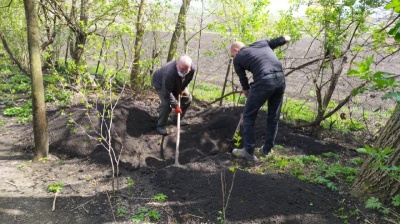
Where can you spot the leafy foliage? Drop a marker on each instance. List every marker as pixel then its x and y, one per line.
pixel 160 197
pixel 55 187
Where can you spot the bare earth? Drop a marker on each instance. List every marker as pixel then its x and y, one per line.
pixel 194 192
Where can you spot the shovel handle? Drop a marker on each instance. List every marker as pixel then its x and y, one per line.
pixel 178 126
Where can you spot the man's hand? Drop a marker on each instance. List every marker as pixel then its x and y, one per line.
pixel 287 38
pixel 246 92
pixel 178 110
pixel 181 93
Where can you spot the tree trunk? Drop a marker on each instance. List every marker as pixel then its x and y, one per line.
pixel 178 29
pixel 138 45
pixel 378 182
pixel 77 48
pixel 40 129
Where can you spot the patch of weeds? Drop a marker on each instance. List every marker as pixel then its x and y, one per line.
pixel 142 213
pixel 23 113
pixel 375 204
pixel 279 148
pixel 130 183
pixel 55 187
pixel 295 110
pixel 154 215
pixel 121 212
pixel 358 161
pixel 43 160
pixel 331 155
pixel 315 169
pixel 344 215
pixel 210 92
pixel 160 198
pixel 89 178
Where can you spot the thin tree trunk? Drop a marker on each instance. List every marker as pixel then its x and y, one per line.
pixel 226 80
pixel 138 45
pixel 40 129
pixel 178 29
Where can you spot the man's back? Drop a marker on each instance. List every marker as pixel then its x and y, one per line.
pixel 258 58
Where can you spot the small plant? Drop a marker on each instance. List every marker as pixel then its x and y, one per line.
pixel 340 213
pixel 220 217
pixel 154 215
pixel 238 139
pixel 55 187
pixel 43 160
pixel 130 186
pixel 142 213
pixel 396 200
pixel 374 203
pixel 121 212
pixel 160 198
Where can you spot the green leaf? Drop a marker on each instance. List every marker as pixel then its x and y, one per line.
pixel 353 73
pixel 395 30
pixel 362 150
pixel 387 151
pixel 394 95
pixel 397 37
pixel 395 4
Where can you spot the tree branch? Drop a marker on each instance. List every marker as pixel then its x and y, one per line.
pixel 226 95
pixel 330 113
pixel 7 5
pixel 14 59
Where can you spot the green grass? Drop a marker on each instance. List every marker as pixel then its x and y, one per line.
pixel 324 169
pixel 210 92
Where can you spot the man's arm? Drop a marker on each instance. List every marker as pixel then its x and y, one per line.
pixel 277 42
pixel 244 81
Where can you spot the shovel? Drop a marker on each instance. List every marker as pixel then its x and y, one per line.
pixel 178 136
pixel 230 143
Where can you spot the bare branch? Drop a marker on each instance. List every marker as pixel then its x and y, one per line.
pixel 9 4
pixel 14 59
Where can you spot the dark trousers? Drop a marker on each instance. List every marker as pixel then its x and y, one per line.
pixel 269 88
pixel 164 109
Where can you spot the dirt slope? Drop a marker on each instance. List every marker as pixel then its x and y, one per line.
pixel 194 193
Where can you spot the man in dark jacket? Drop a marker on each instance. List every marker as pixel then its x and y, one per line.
pixel 170 82
pixel 269 85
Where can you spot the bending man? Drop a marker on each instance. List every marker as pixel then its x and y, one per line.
pixel 269 85
pixel 170 82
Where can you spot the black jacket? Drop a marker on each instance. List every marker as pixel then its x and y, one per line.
pixel 258 58
pixel 167 79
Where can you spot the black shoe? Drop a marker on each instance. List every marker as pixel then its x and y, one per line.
pixel 162 130
pixel 264 151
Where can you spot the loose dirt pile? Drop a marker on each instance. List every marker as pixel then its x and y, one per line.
pixel 194 194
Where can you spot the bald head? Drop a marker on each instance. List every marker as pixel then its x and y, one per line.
pixel 235 47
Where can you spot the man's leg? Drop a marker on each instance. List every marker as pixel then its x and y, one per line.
pixel 274 111
pixel 253 105
pixel 163 112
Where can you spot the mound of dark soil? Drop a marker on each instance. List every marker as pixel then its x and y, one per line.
pixel 196 193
